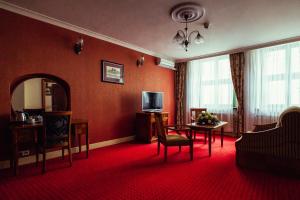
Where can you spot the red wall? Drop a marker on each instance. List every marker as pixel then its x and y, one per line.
pixel 30 46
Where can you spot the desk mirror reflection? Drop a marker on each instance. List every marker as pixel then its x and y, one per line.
pixel 34 96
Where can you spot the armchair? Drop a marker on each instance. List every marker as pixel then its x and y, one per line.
pixel 273 146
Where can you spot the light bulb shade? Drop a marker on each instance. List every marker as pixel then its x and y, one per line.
pixel 78 47
pixel 178 38
pixel 199 39
pixel 140 61
pixel 80 41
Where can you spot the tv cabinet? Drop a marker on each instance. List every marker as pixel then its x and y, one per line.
pixel 145 126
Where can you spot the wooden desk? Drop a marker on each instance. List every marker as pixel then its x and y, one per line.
pixel 209 129
pixel 20 131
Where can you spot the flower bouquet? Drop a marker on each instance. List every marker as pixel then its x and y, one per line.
pixel 206 118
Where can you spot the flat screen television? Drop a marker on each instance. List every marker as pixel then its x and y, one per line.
pixel 152 101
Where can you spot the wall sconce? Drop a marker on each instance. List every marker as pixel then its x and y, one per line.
pixel 140 61
pixel 78 47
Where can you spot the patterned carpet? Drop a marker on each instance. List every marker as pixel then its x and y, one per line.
pixel 134 171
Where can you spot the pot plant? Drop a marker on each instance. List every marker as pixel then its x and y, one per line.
pixel 206 118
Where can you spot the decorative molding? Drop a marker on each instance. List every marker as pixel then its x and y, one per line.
pixel 44 18
pixel 54 154
pixel 248 48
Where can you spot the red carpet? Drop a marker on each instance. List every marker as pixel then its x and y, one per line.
pixel 134 171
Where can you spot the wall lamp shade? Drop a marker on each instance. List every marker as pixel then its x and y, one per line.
pixel 78 47
pixel 140 61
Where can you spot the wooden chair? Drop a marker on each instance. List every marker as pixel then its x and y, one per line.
pixel 56 133
pixel 172 140
pixel 194 113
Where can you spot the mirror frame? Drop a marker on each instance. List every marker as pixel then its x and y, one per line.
pixel 14 84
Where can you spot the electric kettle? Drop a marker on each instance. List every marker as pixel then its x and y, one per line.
pixel 21 116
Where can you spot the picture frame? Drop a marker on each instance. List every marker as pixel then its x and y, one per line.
pixel 112 72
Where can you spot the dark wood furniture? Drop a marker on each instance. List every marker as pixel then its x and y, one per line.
pixel 272 147
pixel 56 93
pixel 145 126
pixel 23 135
pixel 79 129
pixel 194 113
pixel 209 129
pixel 56 134
pixel 34 112
pixel 174 139
pixel 28 134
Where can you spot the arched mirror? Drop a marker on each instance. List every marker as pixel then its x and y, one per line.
pixel 35 95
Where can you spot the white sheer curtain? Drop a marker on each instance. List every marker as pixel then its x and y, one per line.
pixel 272 82
pixel 209 85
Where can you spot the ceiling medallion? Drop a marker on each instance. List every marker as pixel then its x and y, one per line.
pixel 187 13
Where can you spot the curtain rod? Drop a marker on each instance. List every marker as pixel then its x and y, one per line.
pixel 248 48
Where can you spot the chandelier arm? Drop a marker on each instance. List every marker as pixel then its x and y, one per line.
pixel 189 37
pixel 181 33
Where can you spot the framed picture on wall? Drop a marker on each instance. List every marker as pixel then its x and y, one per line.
pixel 112 72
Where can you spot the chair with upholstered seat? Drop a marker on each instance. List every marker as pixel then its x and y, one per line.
pixel 194 113
pixel 172 139
pixel 56 133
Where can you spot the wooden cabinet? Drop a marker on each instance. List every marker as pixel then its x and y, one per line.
pixel 145 126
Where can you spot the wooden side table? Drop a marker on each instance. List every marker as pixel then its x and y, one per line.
pixel 209 129
pixel 80 128
pixel 21 132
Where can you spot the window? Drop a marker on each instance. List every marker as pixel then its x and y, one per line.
pixel 277 76
pixel 273 81
pixel 210 84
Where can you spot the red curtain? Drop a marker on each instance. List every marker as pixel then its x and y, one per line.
pixel 237 65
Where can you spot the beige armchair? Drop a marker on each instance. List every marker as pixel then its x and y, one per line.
pixel 273 146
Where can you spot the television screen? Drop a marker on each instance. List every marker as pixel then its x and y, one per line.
pixel 152 101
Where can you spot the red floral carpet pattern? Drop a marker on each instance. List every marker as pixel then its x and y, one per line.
pixel 134 171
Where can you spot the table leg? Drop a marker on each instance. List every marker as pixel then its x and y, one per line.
pixel 79 141
pixel 12 153
pixel 36 147
pixel 11 163
pixel 15 152
pixel 222 135
pixel 87 141
pixel 209 142
pixel 16 157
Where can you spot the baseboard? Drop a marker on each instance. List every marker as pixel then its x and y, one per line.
pixel 54 154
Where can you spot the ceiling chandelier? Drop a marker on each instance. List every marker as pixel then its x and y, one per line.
pixel 187 13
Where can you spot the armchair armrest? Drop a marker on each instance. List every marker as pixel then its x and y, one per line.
pixel 263 127
pixel 177 128
pixel 255 140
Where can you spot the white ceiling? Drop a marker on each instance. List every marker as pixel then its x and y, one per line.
pixel 235 24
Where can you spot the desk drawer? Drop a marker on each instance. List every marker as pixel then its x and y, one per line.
pixel 25 136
